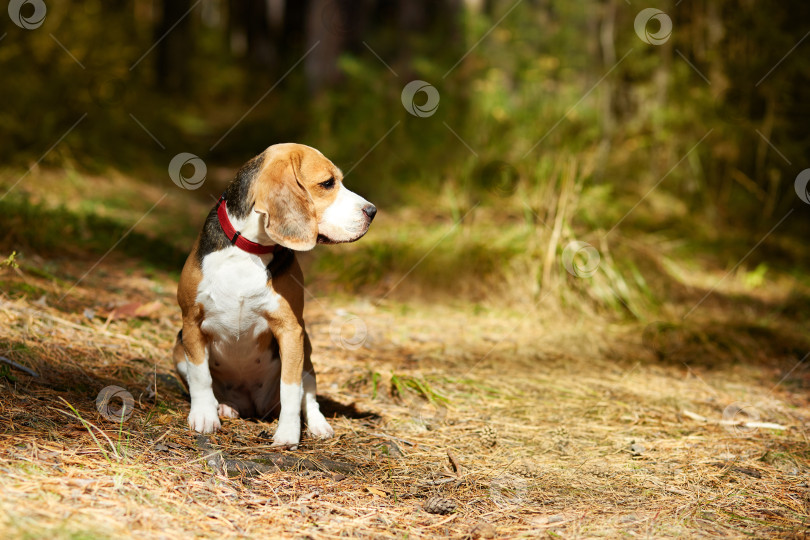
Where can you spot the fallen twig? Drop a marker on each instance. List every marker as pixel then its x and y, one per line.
pixel 397 439
pixel 19 367
pixel 734 423
pixel 65 322
pixel 742 470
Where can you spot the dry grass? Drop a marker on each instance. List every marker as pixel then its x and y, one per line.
pixel 593 426
pixel 534 414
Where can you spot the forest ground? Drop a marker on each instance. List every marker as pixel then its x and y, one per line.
pixel 528 420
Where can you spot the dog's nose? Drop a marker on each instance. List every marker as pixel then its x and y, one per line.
pixel 370 211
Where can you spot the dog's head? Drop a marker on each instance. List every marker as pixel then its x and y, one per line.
pixel 301 199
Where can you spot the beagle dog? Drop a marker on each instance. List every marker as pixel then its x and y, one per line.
pixel 243 350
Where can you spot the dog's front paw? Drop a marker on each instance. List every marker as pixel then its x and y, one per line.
pixel 204 419
pixel 318 427
pixel 288 433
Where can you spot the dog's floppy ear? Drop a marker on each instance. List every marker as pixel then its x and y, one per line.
pixel 287 209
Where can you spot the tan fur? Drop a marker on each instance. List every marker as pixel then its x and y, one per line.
pixel 287 208
pixel 194 341
pixel 287 322
pixel 308 167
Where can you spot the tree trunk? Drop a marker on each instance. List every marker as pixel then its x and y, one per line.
pixel 176 47
pixel 326 28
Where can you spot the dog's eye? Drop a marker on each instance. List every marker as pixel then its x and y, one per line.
pixel 329 184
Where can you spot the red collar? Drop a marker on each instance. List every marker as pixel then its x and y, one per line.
pixel 236 237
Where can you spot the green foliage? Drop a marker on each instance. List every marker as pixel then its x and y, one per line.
pixel 11 261
pixel 536 76
pixel 405 385
pixel 5 373
pixel 552 115
pixel 756 277
pixel 59 229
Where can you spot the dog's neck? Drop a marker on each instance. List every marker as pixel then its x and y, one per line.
pixel 251 227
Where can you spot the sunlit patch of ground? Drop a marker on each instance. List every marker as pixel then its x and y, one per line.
pixel 533 423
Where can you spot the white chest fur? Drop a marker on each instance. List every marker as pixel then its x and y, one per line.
pixel 235 297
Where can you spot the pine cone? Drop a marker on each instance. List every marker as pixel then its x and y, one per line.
pixel 439 505
pixel 488 437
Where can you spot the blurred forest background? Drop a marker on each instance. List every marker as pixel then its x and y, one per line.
pixel 556 123
pixel 587 279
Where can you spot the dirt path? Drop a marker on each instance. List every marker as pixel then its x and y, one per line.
pixel 521 426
